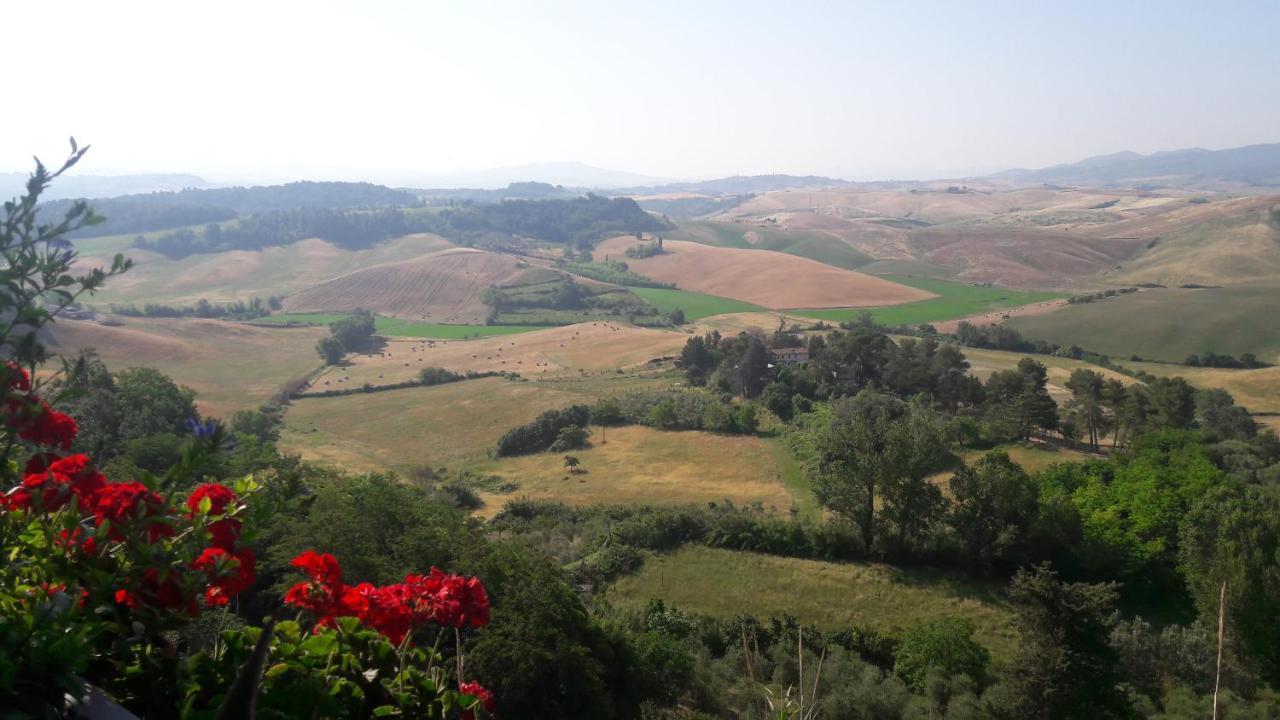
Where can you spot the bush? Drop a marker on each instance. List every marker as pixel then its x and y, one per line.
pixel 540 434
pixel 570 438
pixel 438 376
pixel 944 645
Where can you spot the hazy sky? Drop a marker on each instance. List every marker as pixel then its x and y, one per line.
pixel 864 90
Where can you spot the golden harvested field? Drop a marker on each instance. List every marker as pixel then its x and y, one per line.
pixel 1257 390
pixel 553 352
pixel 239 274
pixel 762 277
pixel 637 464
pixel 734 323
pixel 232 366
pixel 450 424
pixel 823 594
pixel 441 287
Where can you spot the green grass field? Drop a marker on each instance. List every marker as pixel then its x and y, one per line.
pixel 1168 324
pixel 395 327
pixel 828 595
pixel 695 305
pixel 955 300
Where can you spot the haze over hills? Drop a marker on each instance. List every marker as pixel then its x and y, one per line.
pixel 1252 165
pixel 103 186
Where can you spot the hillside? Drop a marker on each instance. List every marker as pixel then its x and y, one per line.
pixel 441 287
pixel 237 274
pixel 1168 323
pixel 231 366
pixel 1223 243
pixel 765 278
pixel 1018 257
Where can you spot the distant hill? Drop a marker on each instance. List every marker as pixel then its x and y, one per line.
pixel 569 174
pixel 1255 165
pixel 739 184
pixel 514 191
pixel 149 212
pixel 102 186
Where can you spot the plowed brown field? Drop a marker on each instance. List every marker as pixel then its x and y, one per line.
pixel 763 277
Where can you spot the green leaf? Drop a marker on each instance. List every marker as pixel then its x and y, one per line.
pixel 321 644
pixel 384 711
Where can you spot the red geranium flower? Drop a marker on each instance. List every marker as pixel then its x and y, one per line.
pixel 53 490
pixel 458 601
pixel 39 462
pixel 71 540
pixel 321 567
pixel 86 481
pixel 481 693
pixel 220 497
pixel 225 533
pixel 124 503
pixel 229 573
pixel 43 425
pixel 18 498
pixel 16 377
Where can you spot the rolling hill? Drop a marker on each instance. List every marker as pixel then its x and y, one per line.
pixel 441 287
pixel 237 274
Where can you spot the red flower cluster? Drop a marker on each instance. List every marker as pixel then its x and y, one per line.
pixel 126 503
pixel 394 610
pixel 30 416
pixel 479 692
pixel 53 487
pixel 230 569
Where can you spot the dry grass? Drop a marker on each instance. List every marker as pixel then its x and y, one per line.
pixel 1032 457
pixel 637 464
pixel 442 287
pixel 232 366
pixel 452 424
pixel 553 352
pixel 829 595
pixel 762 277
pixel 984 362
